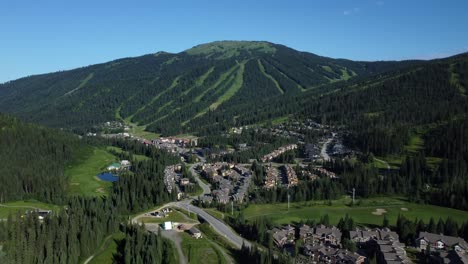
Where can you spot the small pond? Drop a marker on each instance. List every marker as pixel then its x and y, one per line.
pixel 109 177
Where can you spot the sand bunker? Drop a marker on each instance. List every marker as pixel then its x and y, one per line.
pixel 404 209
pixel 379 211
pixel 100 190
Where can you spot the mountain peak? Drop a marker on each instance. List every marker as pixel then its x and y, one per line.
pixel 232 48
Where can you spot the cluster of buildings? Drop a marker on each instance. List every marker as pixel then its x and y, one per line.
pixel 277 152
pixel 160 214
pixel 384 242
pixel 320 244
pixel 309 175
pixel 231 181
pixel 173 179
pixel 323 244
pixel 173 145
pixel 286 177
pixel 443 249
pixel 272 177
pixel 41 214
pixel 290 176
pixel 325 172
pixel 312 152
pixel 119 166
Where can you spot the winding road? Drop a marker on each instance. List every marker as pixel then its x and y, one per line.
pixel 206 188
pixel 323 151
pixel 218 226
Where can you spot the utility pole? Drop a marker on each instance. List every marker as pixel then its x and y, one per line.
pixel 288 201
pixel 354 193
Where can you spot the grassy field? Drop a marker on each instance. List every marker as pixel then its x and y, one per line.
pixel 135 156
pixel 201 251
pixel 139 131
pixel 415 144
pixel 174 216
pixel 107 249
pixel 219 215
pixel 23 206
pixel 83 173
pixel 365 213
pixel 262 69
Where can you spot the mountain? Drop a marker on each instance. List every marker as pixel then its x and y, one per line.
pixel 384 112
pixel 174 93
pixel 34 159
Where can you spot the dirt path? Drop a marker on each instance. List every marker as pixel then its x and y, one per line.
pixel 323 151
pixel 384 162
pixel 103 247
pixel 227 257
pixel 20 206
pixel 174 237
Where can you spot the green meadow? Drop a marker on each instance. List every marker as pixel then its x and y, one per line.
pixel 368 212
pixel 82 174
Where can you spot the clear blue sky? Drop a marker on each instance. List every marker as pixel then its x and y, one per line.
pixel 39 36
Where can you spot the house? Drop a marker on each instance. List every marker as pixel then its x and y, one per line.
pixel 452 257
pixel 326 254
pixel 283 236
pixel 305 232
pixel 440 242
pixel 41 214
pixel 384 241
pixel 167 225
pixel 114 167
pixel 366 235
pixel 125 163
pixel 184 181
pixel 327 235
pixel 195 233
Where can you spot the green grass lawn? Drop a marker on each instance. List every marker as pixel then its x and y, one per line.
pixel 362 214
pixel 201 251
pixel 174 216
pixel 83 173
pixel 380 165
pixel 23 206
pixel 415 144
pixel 197 191
pixel 135 156
pixel 107 249
pixel 139 131
pixel 219 215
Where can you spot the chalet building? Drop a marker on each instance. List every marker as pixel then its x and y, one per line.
pixel 321 254
pixel 382 241
pixel 441 242
pixel 330 236
pixel 195 233
pixel 283 236
pixel 448 257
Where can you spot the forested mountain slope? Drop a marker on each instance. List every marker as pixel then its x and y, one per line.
pixel 33 160
pixel 382 110
pixel 172 93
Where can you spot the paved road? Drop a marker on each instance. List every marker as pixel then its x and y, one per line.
pixel 206 188
pixel 217 225
pixel 171 235
pixel 323 152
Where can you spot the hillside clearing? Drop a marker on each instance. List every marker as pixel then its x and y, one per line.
pixel 83 173
pixel 369 212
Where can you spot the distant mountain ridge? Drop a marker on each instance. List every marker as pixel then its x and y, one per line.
pixel 168 93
